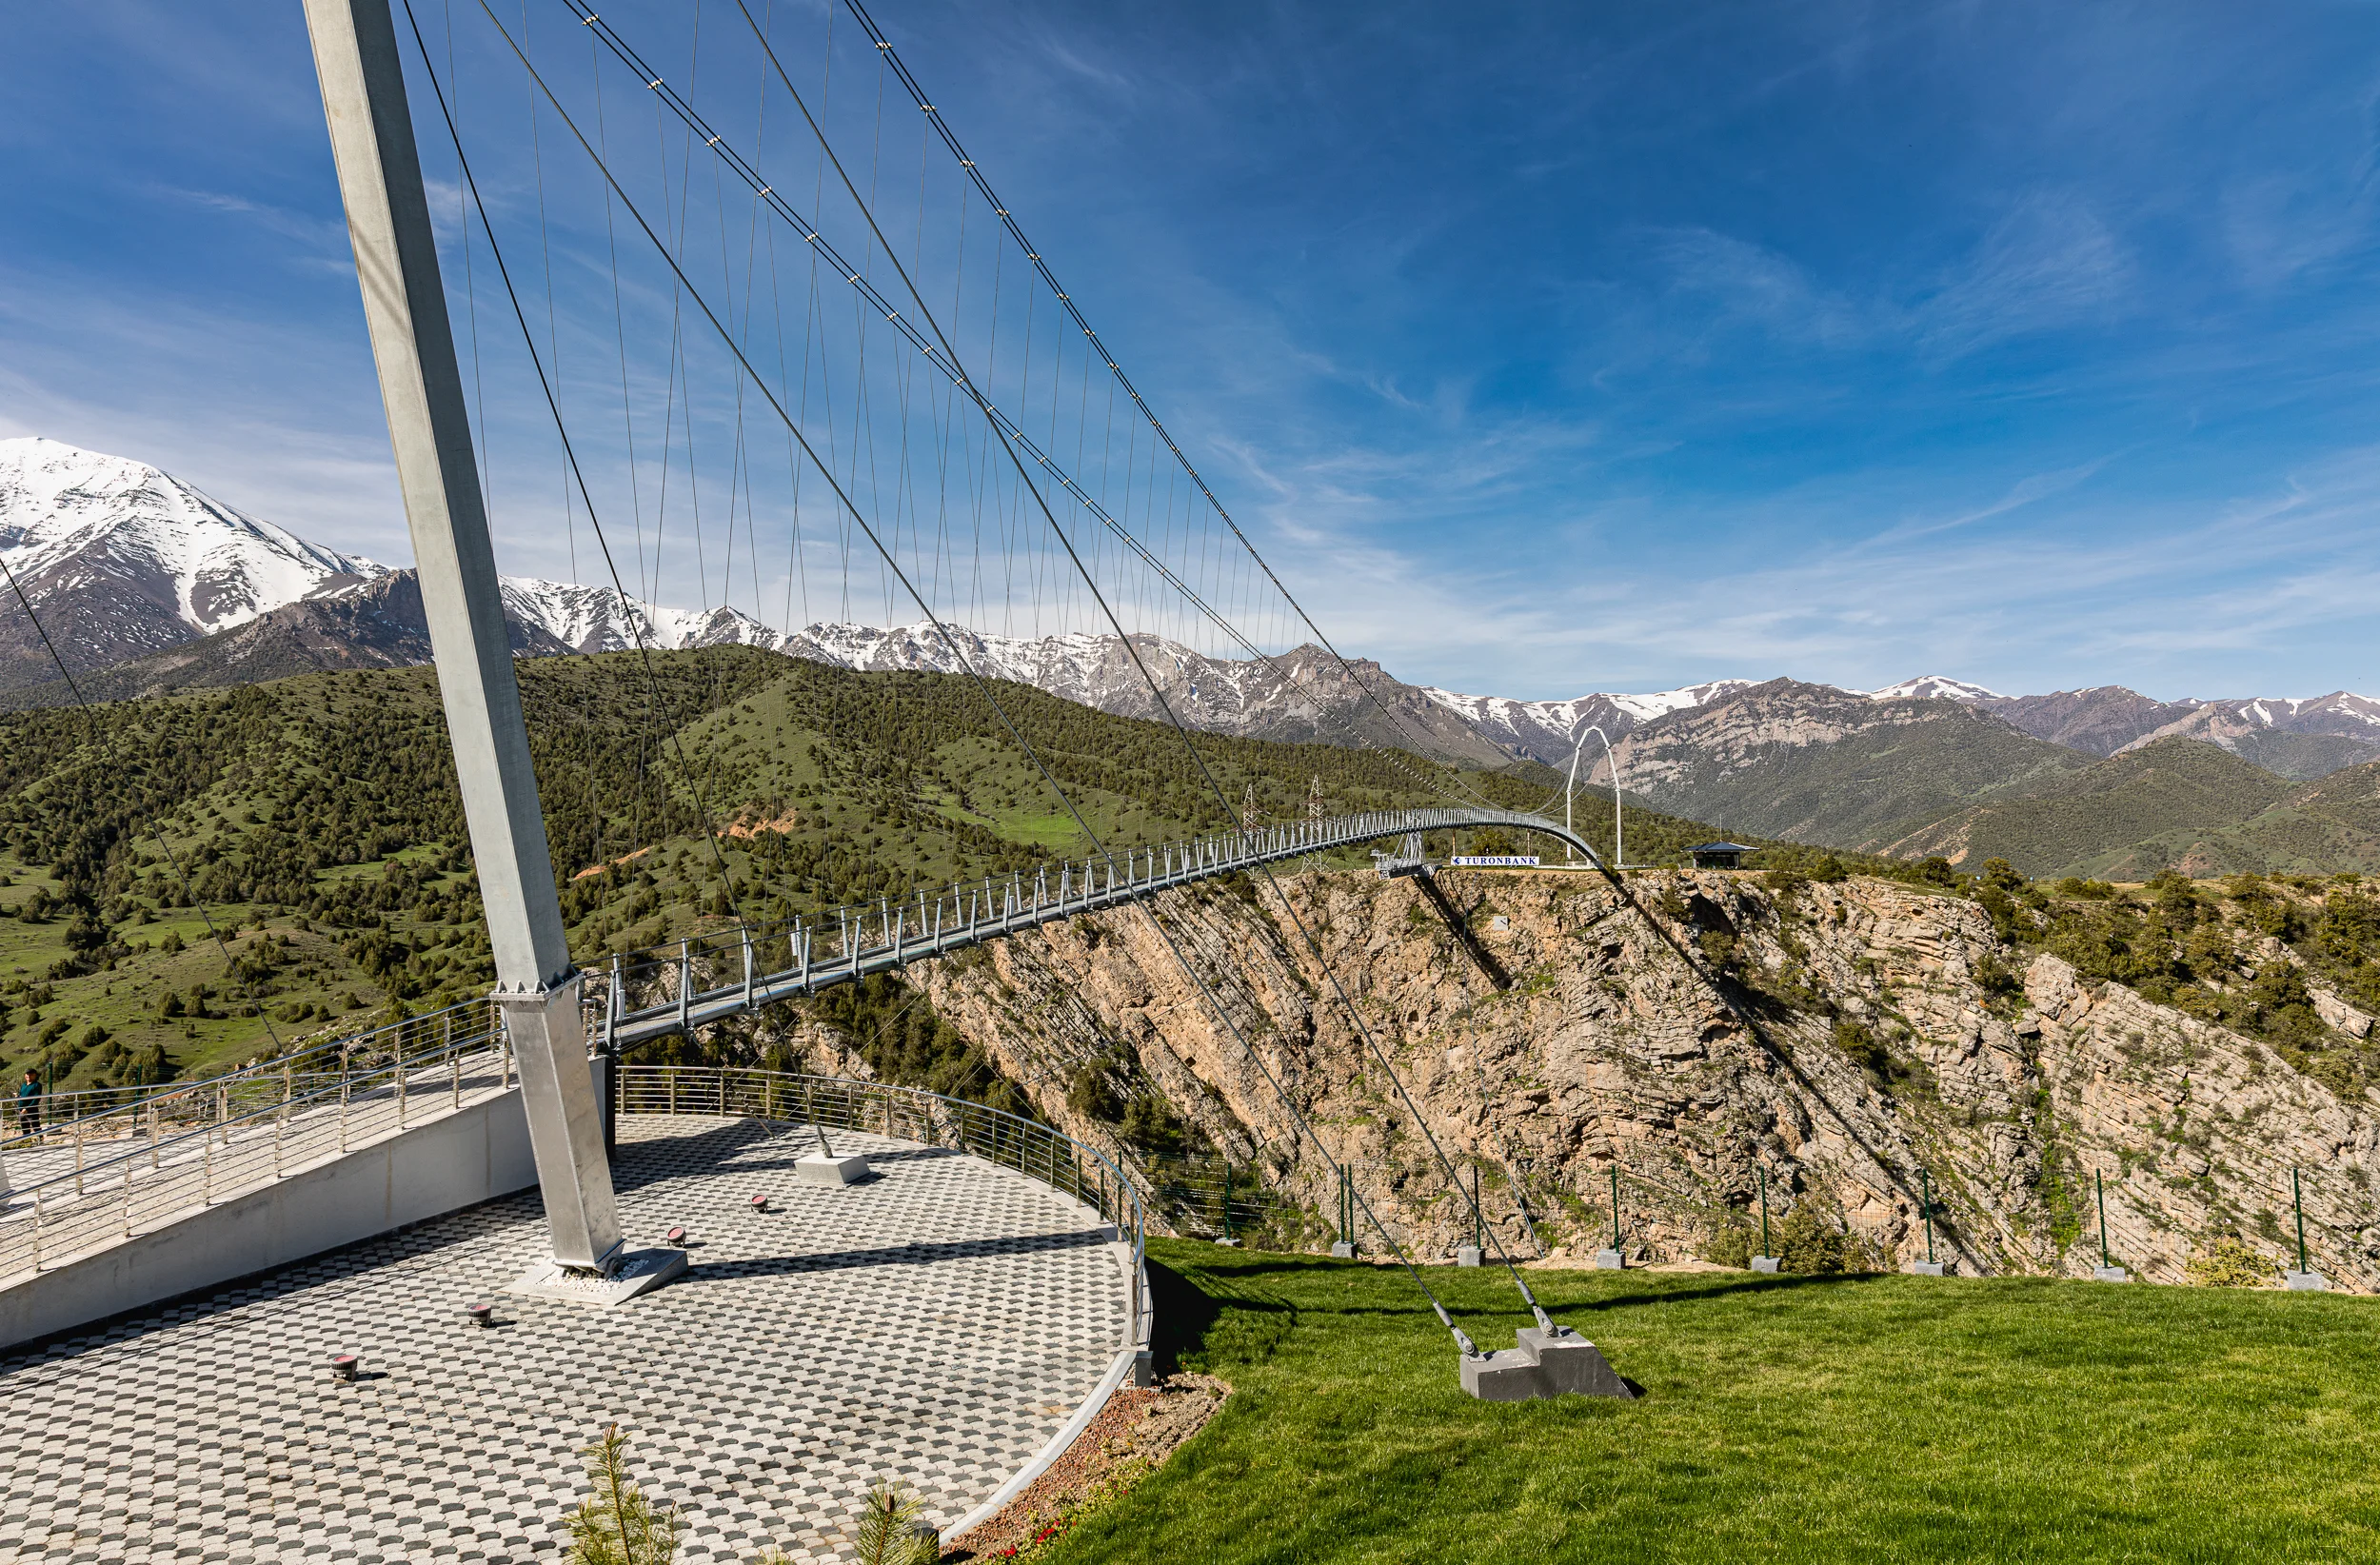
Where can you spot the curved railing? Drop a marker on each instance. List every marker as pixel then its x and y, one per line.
pixel 819 952
pixel 911 1114
pixel 850 943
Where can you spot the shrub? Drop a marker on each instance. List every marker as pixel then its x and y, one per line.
pixel 1730 1244
pixel 889 1533
pixel 2228 1263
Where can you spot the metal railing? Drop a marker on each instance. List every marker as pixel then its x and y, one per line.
pixel 909 1114
pixel 109 1113
pixel 850 943
pixel 102 1178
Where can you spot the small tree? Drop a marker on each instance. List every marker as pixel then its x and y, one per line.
pixel 618 1524
pixel 2229 1263
pixel 889 1531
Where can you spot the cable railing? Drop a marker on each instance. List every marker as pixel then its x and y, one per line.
pixel 909 1114
pixel 106 1178
pixel 850 943
pixel 102 1114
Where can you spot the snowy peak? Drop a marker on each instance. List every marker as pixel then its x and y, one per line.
pixel 1933 687
pixel 76 520
pixel 592 618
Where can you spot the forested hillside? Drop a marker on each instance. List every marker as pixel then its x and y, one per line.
pixel 313 824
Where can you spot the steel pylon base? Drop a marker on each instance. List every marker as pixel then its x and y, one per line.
pixel 639 1272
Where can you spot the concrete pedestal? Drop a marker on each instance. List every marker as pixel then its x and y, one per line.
pixel 2109 1273
pixel 1609 1260
pixel 1930 1268
pixel 1467 1255
pixel 2306 1282
pixel 1556 1364
pixel 1764 1263
pixel 817 1168
pixel 640 1271
pixel 1228 1243
pixel 1343 1250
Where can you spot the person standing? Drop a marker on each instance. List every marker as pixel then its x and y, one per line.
pixel 28 1105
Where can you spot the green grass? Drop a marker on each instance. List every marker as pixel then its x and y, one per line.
pixel 1786 1419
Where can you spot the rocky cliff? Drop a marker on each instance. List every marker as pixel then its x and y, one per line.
pixel 1853 1040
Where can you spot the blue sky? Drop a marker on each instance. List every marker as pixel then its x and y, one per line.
pixel 1543 349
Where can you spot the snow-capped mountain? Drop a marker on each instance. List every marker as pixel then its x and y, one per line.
pixel 1548 730
pixel 120 559
pixel 1302 694
pixel 592 618
pixel 1934 685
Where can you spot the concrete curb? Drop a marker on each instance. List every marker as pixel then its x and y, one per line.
pixel 1128 1358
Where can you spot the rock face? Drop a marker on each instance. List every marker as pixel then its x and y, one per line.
pixel 1841 1037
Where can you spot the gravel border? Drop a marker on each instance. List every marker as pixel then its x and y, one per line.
pixel 1140 1426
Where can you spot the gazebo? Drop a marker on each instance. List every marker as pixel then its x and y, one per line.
pixel 1720 855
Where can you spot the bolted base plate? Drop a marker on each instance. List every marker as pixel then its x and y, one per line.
pixel 1764 1263
pixel 640 1272
pixel 2109 1273
pixel 817 1168
pixel 1556 1363
pixel 1610 1261
pixel 2306 1282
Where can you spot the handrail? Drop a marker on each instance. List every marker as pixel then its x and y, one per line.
pixel 1008 1140
pixel 225 1154
pixel 819 956
pixel 266 1076
pixel 915 930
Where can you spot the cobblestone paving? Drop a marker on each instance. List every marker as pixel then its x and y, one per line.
pixel 935 1325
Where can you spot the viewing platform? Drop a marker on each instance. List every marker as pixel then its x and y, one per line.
pixel 942 1323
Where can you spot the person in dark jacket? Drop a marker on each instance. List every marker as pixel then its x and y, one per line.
pixel 28 1105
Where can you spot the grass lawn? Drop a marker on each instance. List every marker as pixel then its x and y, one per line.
pixel 1786 1419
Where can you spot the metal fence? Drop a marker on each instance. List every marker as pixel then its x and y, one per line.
pixel 909 1114
pixel 100 1178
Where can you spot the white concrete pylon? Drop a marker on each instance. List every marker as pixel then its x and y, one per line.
pixel 420 387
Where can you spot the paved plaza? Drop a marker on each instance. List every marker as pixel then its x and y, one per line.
pixel 935 1325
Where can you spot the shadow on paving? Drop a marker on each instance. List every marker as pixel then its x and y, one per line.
pixel 916 1252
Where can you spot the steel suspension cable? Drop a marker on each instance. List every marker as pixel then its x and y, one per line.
pixel 893 566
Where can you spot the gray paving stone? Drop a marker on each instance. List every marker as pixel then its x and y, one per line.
pixel 937 1323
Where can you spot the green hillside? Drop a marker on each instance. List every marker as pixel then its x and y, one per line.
pixel 2179 803
pixel 2086 821
pixel 316 830
pixel 1845 793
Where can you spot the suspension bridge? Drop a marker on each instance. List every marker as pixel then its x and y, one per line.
pixel 953 438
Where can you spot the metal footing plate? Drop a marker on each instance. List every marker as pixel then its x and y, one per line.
pixel 640 1272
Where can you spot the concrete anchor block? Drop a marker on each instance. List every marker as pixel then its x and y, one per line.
pixel 1467 1255
pixel 1343 1251
pixel 1508 1375
pixel 1610 1261
pixel 2306 1282
pixel 817 1168
pixel 1764 1263
pixel 2109 1273
pixel 1571 1364
pixel 1228 1243
pixel 1930 1268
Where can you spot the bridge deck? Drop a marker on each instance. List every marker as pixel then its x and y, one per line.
pixel 935 1325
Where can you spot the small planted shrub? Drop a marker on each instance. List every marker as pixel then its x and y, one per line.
pixel 2228 1263
pixel 619 1524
